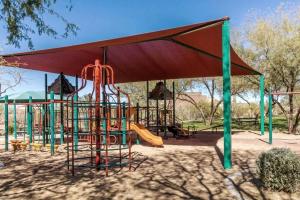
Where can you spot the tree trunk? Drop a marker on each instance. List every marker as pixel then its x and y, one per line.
pixel 291 113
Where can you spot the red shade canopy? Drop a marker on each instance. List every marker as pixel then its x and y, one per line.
pixel 183 52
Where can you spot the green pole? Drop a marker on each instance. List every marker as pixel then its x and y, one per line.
pixel 76 116
pixel 104 128
pixel 61 110
pixel 262 104
pixel 25 119
pixel 15 120
pixel 124 124
pixel 6 122
pixel 44 124
pixel 39 122
pixel 29 120
pixel 270 118
pixel 52 118
pixel 226 93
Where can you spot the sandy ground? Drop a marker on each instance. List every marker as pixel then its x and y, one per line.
pixel 183 169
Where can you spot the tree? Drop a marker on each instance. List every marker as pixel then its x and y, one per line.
pixel 213 87
pixel 10 77
pixel 22 18
pixel 207 110
pixel 272 42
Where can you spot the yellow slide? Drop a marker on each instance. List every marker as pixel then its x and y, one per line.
pixel 146 135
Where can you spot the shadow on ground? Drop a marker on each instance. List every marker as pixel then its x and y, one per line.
pixel 196 174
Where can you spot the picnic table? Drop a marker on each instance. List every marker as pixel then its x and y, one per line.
pixel 241 120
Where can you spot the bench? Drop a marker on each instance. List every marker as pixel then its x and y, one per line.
pixel 241 120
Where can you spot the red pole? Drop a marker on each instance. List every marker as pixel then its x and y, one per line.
pixel 97 85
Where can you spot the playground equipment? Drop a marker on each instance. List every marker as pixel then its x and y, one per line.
pixel 32 131
pixel 107 142
pixel 155 118
pixel 31 117
pixel 146 135
pixel 197 50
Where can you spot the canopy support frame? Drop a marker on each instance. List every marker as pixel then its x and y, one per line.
pixel 226 65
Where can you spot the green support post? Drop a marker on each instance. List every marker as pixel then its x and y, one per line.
pixel 262 104
pixel 76 124
pixel 52 122
pixel 15 120
pixel 6 122
pixel 44 124
pixel 270 118
pixel 226 67
pixel 61 111
pixel 104 125
pixel 25 119
pixel 124 124
pixel 29 120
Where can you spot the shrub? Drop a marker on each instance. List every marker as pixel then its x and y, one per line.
pixel 10 130
pixel 279 169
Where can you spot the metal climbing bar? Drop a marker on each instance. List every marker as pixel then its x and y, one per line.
pixel 107 142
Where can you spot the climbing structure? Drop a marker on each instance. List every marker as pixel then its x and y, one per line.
pixel 106 142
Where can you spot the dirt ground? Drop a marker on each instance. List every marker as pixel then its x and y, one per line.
pixel 183 169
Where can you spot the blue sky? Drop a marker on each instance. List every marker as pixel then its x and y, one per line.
pixel 99 19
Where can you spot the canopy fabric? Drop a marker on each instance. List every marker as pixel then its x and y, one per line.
pixel 183 52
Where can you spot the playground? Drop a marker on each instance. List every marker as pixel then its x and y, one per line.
pixel 66 146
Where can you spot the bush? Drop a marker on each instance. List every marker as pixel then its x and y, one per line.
pixel 279 169
pixel 10 130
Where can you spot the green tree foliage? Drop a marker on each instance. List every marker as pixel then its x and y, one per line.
pixel 22 18
pixel 271 42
